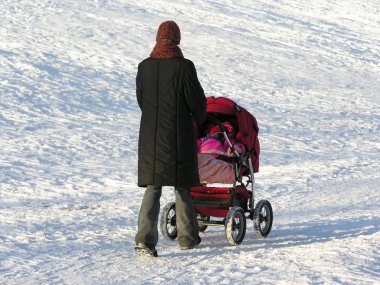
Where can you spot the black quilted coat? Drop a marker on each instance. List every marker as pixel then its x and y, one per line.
pixel 171 99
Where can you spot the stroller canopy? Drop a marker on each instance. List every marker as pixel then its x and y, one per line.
pixel 247 123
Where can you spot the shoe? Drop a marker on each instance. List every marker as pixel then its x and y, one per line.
pixel 190 246
pixel 143 250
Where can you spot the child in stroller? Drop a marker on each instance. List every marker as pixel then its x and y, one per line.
pixel 232 203
pixel 214 151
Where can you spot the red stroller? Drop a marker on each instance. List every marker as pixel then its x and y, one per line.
pixel 232 203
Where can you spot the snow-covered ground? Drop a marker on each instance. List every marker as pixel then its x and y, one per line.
pixel 308 70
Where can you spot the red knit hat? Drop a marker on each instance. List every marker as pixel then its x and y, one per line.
pixel 229 128
pixel 214 129
pixel 167 40
pixel 169 30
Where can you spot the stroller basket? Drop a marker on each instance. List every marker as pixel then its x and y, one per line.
pixel 212 197
pixel 216 201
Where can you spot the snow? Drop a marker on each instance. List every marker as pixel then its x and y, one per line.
pixel 308 70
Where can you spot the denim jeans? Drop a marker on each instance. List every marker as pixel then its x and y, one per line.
pixel 186 219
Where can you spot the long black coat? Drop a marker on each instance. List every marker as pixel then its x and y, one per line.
pixel 171 99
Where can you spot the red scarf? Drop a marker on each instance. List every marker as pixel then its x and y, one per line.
pixel 167 41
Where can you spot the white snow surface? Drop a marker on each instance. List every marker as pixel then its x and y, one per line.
pixel 308 70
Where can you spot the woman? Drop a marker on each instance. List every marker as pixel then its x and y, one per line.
pixel 171 99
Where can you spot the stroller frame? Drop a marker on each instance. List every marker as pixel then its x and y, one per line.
pixel 235 203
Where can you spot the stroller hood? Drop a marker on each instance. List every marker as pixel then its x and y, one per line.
pixel 248 127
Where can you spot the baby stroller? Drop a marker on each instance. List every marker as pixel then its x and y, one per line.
pixel 234 203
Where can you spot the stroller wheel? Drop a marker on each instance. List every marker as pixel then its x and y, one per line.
pixel 168 224
pixel 235 225
pixel 263 218
pixel 203 218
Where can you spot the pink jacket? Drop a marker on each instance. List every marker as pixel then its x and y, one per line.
pixel 216 145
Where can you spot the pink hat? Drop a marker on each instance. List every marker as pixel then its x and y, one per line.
pixel 214 129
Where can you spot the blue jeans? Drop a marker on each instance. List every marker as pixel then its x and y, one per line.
pixel 186 218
